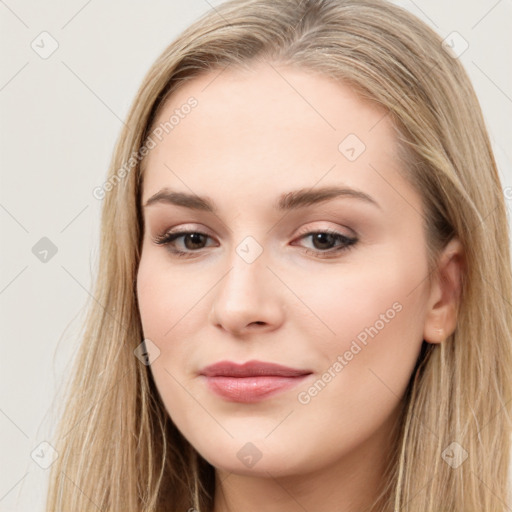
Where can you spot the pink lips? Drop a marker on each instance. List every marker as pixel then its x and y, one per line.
pixel 251 381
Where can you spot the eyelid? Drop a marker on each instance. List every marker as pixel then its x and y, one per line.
pixel 195 228
pixel 303 231
pixel 167 238
pixel 180 230
pixel 324 229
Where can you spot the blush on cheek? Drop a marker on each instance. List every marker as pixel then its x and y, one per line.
pixel 160 299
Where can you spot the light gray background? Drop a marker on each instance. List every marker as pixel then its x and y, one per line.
pixel 60 118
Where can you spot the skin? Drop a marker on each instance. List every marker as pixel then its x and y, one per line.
pixel 253 136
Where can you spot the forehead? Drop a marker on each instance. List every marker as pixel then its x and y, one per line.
pixel 271 126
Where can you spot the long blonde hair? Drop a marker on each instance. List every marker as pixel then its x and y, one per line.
pixel 119 450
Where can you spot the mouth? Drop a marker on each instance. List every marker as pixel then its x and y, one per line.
pixel 252 381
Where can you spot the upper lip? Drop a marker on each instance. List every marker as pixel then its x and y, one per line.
pixel 251 369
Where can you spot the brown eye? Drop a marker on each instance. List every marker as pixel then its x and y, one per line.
pixel 192 241
pixel 328 243
pixel 323 241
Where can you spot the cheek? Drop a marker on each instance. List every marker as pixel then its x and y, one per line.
pixel 347 300
pixel 376 313
pixel 170 306
pixel 169 301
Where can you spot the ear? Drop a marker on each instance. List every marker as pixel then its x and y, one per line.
pixel 443 303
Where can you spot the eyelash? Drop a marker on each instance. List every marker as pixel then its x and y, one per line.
pixel 167 238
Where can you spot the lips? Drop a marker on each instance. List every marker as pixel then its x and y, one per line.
pixel 251 369
pixel 252 381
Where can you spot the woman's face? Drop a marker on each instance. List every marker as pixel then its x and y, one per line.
pixel 309 253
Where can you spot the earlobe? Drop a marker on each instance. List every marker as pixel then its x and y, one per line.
pixel 445 293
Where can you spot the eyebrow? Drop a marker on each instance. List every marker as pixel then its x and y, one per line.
pixel 288 201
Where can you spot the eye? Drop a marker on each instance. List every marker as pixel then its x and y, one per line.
pixel 327 243
pixel 192 241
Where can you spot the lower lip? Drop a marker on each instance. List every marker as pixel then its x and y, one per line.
pixel 251 389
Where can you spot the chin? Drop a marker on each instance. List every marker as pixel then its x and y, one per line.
pixel 246 455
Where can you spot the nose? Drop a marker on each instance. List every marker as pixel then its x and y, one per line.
pixel 248 298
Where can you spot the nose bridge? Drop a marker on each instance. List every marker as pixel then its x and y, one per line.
pixel 245 295
pixel 245 283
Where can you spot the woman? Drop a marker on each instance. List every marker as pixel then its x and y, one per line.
pixel 304 292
